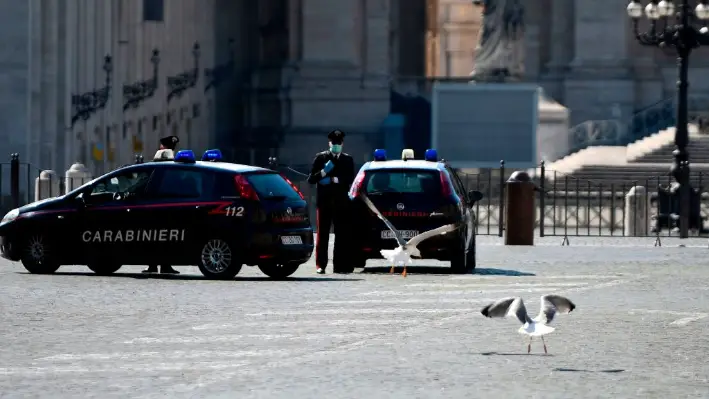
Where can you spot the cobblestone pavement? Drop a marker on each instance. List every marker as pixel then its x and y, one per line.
pixel 639 329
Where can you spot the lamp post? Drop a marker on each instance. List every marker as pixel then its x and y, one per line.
pixel 215 76
pixel 179 83
pixel 683 36
pixel 135 93
pixel 86 104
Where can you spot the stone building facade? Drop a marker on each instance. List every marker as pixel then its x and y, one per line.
pixel 583 53
pixel 298 69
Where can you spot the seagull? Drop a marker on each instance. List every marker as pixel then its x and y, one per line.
pixel 536 327
pixel 401 256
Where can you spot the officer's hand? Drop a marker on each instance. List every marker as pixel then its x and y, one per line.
pixel 325 181
pixel 334 180
pixel 328 166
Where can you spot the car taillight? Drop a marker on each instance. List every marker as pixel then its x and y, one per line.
pixel 294 187
pixel 245 189
pixel 446 189
pixel 357 185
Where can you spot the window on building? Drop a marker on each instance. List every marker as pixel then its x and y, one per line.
pixel 153 10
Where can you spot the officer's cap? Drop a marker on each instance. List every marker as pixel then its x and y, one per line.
pixel 169 142
pixel 336 136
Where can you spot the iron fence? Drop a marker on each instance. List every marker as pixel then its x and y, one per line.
pixel 565 205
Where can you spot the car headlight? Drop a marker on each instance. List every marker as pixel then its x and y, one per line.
pixel 10 216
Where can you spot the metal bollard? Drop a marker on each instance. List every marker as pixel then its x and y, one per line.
pixel 520 209
pixel 637 203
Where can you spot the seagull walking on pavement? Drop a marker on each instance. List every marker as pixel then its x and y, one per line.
pixel 536 327
pixel 401 256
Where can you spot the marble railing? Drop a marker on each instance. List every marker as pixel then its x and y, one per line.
pixel 646 122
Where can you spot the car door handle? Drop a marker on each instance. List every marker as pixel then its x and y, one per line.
pixel 60 217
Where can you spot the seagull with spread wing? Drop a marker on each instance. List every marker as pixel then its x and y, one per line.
pixel 536 327
pixel 401 256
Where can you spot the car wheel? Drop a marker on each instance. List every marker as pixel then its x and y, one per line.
pixel 104 269
pixel 37 255
pixel 279 271
pixel 217 260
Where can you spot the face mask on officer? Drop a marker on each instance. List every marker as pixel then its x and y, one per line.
pixel 335 148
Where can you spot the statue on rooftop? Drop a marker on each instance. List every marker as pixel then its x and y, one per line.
pixel 499 55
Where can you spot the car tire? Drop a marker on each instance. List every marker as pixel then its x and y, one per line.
pixel 462 261
pixel 218 260
pixel 472 256
pixel 104 269
pixel 279 270
pixel 36 255
pixel 458 261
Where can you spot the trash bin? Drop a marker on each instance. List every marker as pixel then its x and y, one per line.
pixel 520 213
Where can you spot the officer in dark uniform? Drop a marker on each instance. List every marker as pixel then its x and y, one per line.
pixel 333 171
pixel 166 143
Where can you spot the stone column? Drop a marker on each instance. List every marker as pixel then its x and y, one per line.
pixel 374 37
pixel 562 35
pixel 599 36
pixel 328 31
pixel 36 80
pixel 601 64
pixel 341 77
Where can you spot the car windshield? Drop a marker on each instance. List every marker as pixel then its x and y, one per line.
pixel 84 186
pixel 271 186
pixel 405 181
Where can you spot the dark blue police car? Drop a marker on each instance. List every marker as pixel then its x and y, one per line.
pixel 415 196
pixel 216 215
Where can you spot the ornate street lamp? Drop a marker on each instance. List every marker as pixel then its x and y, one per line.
pixel 135 93
pixel 86 104
pixel 215 76
pixel 676 29
pixel 179 83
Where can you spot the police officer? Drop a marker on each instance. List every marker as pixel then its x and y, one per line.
pixel 333 171
pixel 166 143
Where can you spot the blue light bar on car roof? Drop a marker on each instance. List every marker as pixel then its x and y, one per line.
pixel 212 155
pixel 185 156
pixel 431 155
pixel 380 154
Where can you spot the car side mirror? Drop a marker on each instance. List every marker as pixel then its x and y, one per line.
pixel 474 196
pixel 80 201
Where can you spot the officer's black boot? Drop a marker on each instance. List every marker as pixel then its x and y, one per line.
pixel 151 269
pixel 167 269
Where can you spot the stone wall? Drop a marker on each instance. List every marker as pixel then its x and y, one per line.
pixel 14 73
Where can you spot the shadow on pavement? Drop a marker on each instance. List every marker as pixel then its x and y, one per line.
pixel 590 371
pixel 502 272
pixel 442 270
pixel 515 354
pixel 185 277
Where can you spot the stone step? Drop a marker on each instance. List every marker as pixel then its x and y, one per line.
pixel 704 159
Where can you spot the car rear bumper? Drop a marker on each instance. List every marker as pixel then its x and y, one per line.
pixel 8 249
pixel 270 247
pixel 439 248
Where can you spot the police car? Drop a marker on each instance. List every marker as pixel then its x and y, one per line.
pixel 415 196
pixel 216 215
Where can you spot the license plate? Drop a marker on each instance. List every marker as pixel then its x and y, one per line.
pixel 405 234
pixel 291 240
